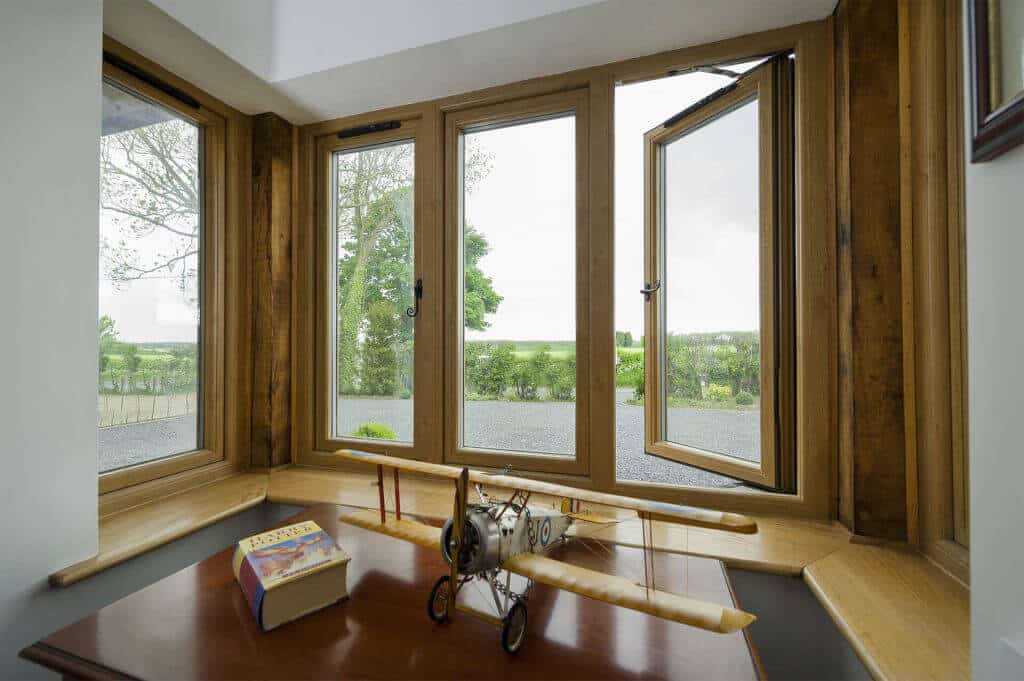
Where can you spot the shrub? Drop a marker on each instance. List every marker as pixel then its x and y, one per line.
pixel 376 431
pixel 405 394
pixel 562 379
pixel 630 369
pixel 743 398
pixel 493 372
pixel 638 390
pixel 525 379
pixel 718 393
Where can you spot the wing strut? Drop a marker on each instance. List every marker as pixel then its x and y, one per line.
pixel 458 522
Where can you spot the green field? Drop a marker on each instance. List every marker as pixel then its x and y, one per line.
pixel 558 349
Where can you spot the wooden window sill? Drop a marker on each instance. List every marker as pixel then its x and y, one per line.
pixel 905 617
pixel 134 531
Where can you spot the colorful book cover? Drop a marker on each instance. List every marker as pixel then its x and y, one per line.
pixel 275 558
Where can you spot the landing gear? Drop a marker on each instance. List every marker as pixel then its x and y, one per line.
pixel 437 604
pixel 513 629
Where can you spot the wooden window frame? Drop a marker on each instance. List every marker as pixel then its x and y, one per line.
pixel 766 85
pixel 815 306
pixel 426 362
pixel 212 285
pixel 574 103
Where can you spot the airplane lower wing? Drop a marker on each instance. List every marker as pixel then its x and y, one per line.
pixel 624 593
pixel 407 530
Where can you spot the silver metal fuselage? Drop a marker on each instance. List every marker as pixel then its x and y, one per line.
pixel 496 531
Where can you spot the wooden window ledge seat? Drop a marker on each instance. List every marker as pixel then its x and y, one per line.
pixel 136 530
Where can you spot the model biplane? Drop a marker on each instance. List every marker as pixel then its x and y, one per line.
pixel 494 539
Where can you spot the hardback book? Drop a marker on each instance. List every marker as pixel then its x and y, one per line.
pixel 289 572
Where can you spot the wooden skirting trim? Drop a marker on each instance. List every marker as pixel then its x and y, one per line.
pixel 139 529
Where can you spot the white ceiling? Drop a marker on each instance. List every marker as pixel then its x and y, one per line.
pixel 311 60
pixel 282 39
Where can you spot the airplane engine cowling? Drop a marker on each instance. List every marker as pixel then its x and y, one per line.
pixel 481 542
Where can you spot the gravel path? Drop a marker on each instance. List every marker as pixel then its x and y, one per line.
pixel 137 442
pixel 534 426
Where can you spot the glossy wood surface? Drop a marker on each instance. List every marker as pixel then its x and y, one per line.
pixel 196 624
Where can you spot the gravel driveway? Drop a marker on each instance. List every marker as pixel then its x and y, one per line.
pixel 534 426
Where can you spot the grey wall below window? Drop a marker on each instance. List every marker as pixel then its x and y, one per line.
pixel 794 636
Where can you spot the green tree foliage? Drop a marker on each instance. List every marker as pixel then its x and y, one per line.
pixel 624 339
pixel 562 379
pixel 375 226
pixel 378 367
pixel 490 368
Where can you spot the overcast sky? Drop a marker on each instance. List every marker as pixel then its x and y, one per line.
pixel 526 209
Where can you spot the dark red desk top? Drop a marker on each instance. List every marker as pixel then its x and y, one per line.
pixel 196 624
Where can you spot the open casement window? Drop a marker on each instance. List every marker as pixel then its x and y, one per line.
pixel 517 310
pixel 375 387
pixel 719 261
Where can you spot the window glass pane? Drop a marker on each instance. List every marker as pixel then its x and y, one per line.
pixel 374 228
pixel 149 287
pixel 711 286
pixel 638 108
pixel 519 287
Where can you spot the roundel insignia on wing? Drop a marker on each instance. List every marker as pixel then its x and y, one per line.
pixel 545 532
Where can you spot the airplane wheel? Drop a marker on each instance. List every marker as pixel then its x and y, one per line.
pixel 513 631
pixel 437 604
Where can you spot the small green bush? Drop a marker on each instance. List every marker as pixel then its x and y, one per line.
pixel 718 393
pixel 375 431
pixel 744 399
pixel 406 394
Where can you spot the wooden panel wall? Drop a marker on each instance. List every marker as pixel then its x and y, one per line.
pixel 272 172
pixel 872 456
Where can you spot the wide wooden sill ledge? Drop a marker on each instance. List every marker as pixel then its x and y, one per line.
pixel 905 617
pixel 134 531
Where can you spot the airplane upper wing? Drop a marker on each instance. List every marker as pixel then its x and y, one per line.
pixel 652 510
pixel 622 592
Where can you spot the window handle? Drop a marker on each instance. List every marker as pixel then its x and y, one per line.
pixel 418 292
pixel 647 290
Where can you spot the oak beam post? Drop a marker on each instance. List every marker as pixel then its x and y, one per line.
pixel 872 455
pixel 273 140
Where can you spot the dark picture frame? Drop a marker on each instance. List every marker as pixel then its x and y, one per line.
pixel 994 129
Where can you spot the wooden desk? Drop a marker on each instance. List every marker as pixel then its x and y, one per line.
pixel 196 624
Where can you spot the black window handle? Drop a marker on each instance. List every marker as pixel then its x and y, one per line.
pixel 647 290
pixel 418 292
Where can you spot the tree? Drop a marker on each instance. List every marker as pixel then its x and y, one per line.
pixel 150 191
pixel 374 222
pixel 378 366
pixel 624 339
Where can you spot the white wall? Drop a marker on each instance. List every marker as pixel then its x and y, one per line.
pixel 995 308
pixel 49 184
